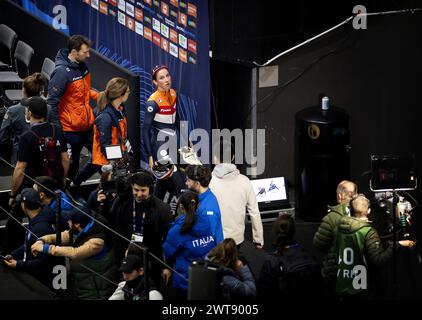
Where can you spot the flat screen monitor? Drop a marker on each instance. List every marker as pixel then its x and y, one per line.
pixel 390 172
pixel 113 152
pixel 271 193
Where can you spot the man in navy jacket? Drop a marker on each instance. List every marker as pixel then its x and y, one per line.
pixel 41 222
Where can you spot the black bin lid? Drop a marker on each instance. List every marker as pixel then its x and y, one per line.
pixel 317 115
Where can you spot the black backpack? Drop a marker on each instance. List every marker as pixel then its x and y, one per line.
pixel 298 273
pixel 52 165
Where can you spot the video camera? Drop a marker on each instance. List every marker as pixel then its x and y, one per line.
pixel 119 167
pixel 392 176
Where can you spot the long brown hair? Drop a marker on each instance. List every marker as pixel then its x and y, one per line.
pixel 115 88
pixel 34 84
pixel 190 202
pixel 225 253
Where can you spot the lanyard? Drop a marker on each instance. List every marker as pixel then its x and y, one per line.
pixel 134 219
pixel 27 237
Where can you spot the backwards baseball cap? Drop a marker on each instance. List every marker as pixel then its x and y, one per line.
pixel 158 68
pixel 29 195
pixel 76 216
pixel 130 263
pixel 37 106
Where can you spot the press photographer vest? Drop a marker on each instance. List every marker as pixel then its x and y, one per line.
pixel 352 271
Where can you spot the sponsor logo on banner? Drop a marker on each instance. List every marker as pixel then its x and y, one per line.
pixel 156 39
pixel 164 30
pixel 156 3
pixel 122 18
pixel 192 10
pixel 149 2
pixel 192 24
pixel 111 12
pixel 183 41
pixel 165 8
pixel 183 56
pixel 156 25
pixel 139 15
pixel 147 19
pixel 164 45
pixel 122 5
pixel 191 58
pixel 130 9
pixel 113 2
pixel 169 22
pixel 173 50
pixel 87 2
pixel 192 46
pixel 174 3
pixel 182 19
pixel 94 4
pixel 173 13
pixel 182 4
pixel 130 23
pixel 148 33
pixel 103 7
pixel 173 36
pixel 139 28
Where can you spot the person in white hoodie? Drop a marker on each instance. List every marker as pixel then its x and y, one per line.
pixel 235 196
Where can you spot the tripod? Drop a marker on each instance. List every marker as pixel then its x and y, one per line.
pixel 394 268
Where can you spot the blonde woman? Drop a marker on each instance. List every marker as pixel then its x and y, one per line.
pixel 110 125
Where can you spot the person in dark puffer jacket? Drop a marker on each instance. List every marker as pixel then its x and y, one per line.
pixel 358 247
pixel 323 238
pixel 290 272
pixel 237 279
pixel 41 222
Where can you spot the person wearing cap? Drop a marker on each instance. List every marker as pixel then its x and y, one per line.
pixel 14 122
pixel 31 159
pixel 161 117
pixel 46 187
pixel 133 286
pixel 69 94
pixel 41 221
pixel 86 243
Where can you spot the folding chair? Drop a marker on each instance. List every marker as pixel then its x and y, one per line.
pixel 8 40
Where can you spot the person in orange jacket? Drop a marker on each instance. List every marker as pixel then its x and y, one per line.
pixel 69 94
pixel 110 126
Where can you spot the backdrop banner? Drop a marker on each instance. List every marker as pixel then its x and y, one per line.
pixel 141 34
